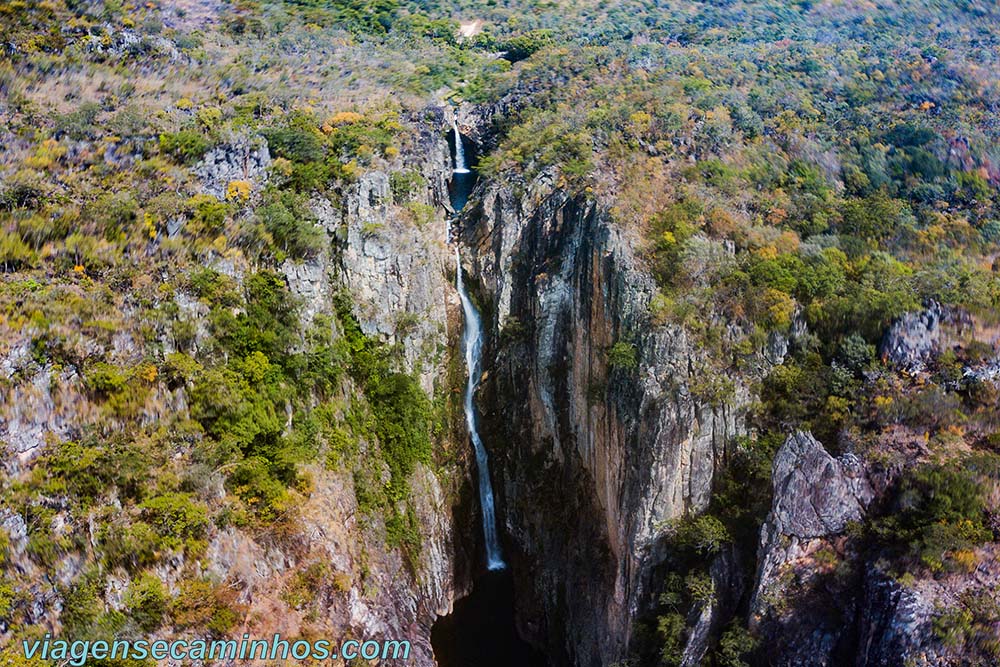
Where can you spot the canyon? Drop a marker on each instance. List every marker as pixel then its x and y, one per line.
pixel 593 463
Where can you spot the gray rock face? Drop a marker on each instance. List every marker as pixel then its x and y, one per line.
pixel 479 122
pixel 32 411
pixel 815 497
pixel 242 159
pixel 609 453
pixel 897 619
pixel 309 281
pixel 916 337
pixel 396 270
pixel 898 628
pixel 814 493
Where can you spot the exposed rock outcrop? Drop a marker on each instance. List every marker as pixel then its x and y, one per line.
pixel 244 158
pixel 609 452
pixel 822 600
pixel 914 339
pixel 816 496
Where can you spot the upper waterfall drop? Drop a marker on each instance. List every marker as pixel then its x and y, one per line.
pixel 460 166
pixel 473 343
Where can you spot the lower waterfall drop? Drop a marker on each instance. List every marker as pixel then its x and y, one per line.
pixel 473 344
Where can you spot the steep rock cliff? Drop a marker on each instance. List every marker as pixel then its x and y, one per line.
pixel 592 458
pixel 396 272
pixel 825 597
pixel 816 497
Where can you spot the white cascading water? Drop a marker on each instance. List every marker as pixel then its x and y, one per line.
pixel 460 166
pixel 472 339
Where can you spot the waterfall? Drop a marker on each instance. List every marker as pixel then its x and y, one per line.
pixel 473 341
pixel 460 166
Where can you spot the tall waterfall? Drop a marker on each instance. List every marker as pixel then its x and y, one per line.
pixel 460 166
pixel 473 340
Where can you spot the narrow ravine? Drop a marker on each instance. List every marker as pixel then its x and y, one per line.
pixel 463 181
pixel 480 632
pixel 472 341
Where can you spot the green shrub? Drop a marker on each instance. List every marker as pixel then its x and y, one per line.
pixel 969 627
pixel 522 46
pixel 105 380
pixel 401 410
pixel 622 356
pixel 300 142
pixel 286 217
pixel 4 547
pixel 131 545
pixel 7 598
pixel 703 534
pixel 265 493
pixel 36 231
pixel 700 587
pixel 362 136
pixel 712 387
pixel 736 646
pixel 403 532
pixel 203 605
pixel 856 353
pixel 215 288
pixel 208 218
pixel 185 146
pixel 147 601
pixel 669 231
pixel 24 190
pixel 82 605
pixel 420 214
pixel 180 370
pixel 124 392
pixel 937 510
pixel 114 214
pixel 875 218
pixel 405 184
pixel 401 419
pixel 15 254
pixel 177 518
pixel 83 471
pixel 306 584
pixel 670 629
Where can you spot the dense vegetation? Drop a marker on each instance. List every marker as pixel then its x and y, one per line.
pixel 832 165
pixel 800 167
pixel 134 289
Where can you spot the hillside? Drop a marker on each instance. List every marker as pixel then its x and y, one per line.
pixel 737 265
